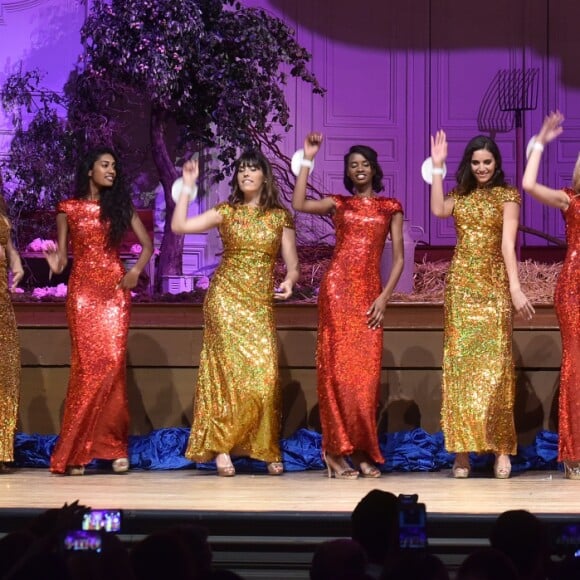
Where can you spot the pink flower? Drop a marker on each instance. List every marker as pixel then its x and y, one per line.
pixel 202 283
pixel 136 249
pixel 40 245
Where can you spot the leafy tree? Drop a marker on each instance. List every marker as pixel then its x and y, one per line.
pixel 213 69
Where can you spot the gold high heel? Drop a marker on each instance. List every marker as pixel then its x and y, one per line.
pixel 503 471
pixel 572 470
pixel 120 465
pixel 275 468
pixel 365 466
pixel 339 472
pixel 461 468
pixel 227 470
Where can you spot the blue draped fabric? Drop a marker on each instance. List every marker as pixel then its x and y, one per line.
pixel 405 451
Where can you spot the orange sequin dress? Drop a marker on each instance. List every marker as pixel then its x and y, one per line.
pixel 567 303
pixel 96 416
pixel 9 357
pixel 237 398
pixel 349 353
pixel 478 379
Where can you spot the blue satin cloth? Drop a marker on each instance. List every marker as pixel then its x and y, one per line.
pixel 405 451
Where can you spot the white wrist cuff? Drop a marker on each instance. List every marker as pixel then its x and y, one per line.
pixel 306 163
pixel 437 171
pixel 537 146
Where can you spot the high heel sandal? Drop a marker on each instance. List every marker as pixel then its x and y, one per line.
pixel 461 468
pixel 275 468
pixel 365 466
pixel 572 470
pixel 75 470
pixel 502 471
pixel 339 472
pixel 227 470
pixel 120 465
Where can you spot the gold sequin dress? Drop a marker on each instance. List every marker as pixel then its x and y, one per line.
pixel 9 357
pixel 478 366
pixel 567 303
pixel 237 398
pixel 349 353
pixel 95 423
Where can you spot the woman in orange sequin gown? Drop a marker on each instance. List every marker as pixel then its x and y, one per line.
pixel 567 295
pixel 351 308
pixel 9 345
pixel 481 290
pixel 96 417
pixel 237 397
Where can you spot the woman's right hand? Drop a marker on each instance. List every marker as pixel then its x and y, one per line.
pixel 190 172
pixel 312 145
pixel 439 148
pixel 551 128
pixel 52 256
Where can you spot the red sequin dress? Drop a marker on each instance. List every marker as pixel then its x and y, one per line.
pixel 96 415
pixel 567 303
pixel 349 353
pixel 9 357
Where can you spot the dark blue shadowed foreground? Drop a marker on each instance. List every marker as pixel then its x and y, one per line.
pixel 404 451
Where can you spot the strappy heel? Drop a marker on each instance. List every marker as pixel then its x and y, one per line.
pixel 120 465
pixel 572 470
pixel 339 472
pixel 364 465
pixel 502 471
pixel 227 470
pixel 275 468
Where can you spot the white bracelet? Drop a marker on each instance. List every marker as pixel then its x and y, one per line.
pixel 187 189
pixel 437 171
pixel 306 163
pixel 537 146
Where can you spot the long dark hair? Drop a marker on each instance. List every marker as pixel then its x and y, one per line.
pixel 270 194
pixel 115 201
pixel 464 176
pixel 373 158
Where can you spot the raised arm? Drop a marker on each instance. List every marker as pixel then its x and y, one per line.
pixel 290 257
pixel 511 213
pixel 57 256
pixel 299 202
pixel 441 206
pixel 551 128
pixel 180 223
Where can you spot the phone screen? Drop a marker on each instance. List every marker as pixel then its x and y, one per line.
pixel 82 540
pixel 106 520
pixel 412 526
pixel 566 539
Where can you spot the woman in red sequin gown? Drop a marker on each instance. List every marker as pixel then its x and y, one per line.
pixel 567 295
pixel 351 307
pixel 96 416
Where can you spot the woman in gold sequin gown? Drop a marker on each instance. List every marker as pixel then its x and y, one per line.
pixel 95 423
pixel 351 308
pixel 482 284
pixel 237 398
pixel 567 295
pixel 9 344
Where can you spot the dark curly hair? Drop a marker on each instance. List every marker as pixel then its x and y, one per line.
pixel 372 157
pixel 115 201
pixel 465 179
pixel 270 194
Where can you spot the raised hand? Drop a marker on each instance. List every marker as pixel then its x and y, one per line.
pixel 312 144
pixel 439 148
pixel 551 128
pixel 190 172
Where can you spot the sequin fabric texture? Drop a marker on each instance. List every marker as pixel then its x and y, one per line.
pixel 567 303
pixel 478 368
pixel 237 398
pixel 96 416
pixel 349 353
pixel 9 357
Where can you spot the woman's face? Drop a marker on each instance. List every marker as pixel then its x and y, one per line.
pixel 360 170
pixel 482 166
pixel 250 179
pixel 104 171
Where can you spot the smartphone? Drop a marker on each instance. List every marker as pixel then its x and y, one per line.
pixel 105 520
pixel 412 524
pixel 82 540
pixel 566 539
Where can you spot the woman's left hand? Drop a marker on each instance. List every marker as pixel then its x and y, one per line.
pixel 522 305
pixel 129 280
pixel 17 275
pixel 376 312
pixel 284 291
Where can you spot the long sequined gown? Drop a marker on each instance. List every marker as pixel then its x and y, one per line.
pixel 237 398
pixel 567 302
pixel 9 357
pixel 478 367
pixel 96 415
pixel 349 353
